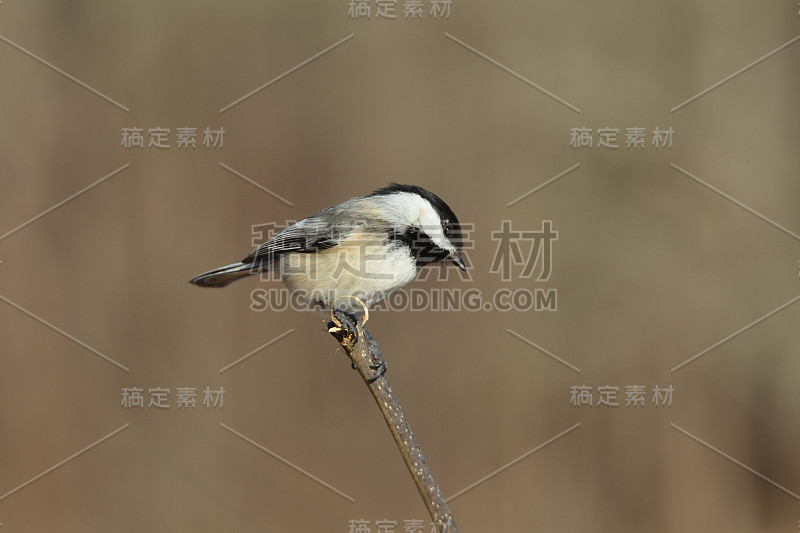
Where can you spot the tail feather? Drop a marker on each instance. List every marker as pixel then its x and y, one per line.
pixel 219 277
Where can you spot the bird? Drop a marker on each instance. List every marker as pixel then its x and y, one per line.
pixel 365 247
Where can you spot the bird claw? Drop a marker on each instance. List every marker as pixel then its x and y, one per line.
pixel 378 368
pixel 344 326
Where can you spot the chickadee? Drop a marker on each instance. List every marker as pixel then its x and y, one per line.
pixel 365 247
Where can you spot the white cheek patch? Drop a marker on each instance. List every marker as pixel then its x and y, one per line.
pixel 409 209
pixel 430 223
pixel 413 210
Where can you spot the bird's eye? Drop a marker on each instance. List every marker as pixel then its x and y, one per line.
pixel 449 230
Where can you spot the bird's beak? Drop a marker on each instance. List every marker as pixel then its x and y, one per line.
pixel 455 257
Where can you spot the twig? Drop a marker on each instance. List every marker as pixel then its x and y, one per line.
pixel 366 357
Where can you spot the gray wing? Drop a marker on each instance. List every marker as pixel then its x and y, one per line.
pixel 308 235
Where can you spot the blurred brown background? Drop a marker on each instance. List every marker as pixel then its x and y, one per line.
pixel 650 267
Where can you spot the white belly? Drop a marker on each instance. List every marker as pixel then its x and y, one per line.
pixel 367 272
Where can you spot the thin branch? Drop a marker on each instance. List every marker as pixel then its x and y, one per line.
pixel 366 357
